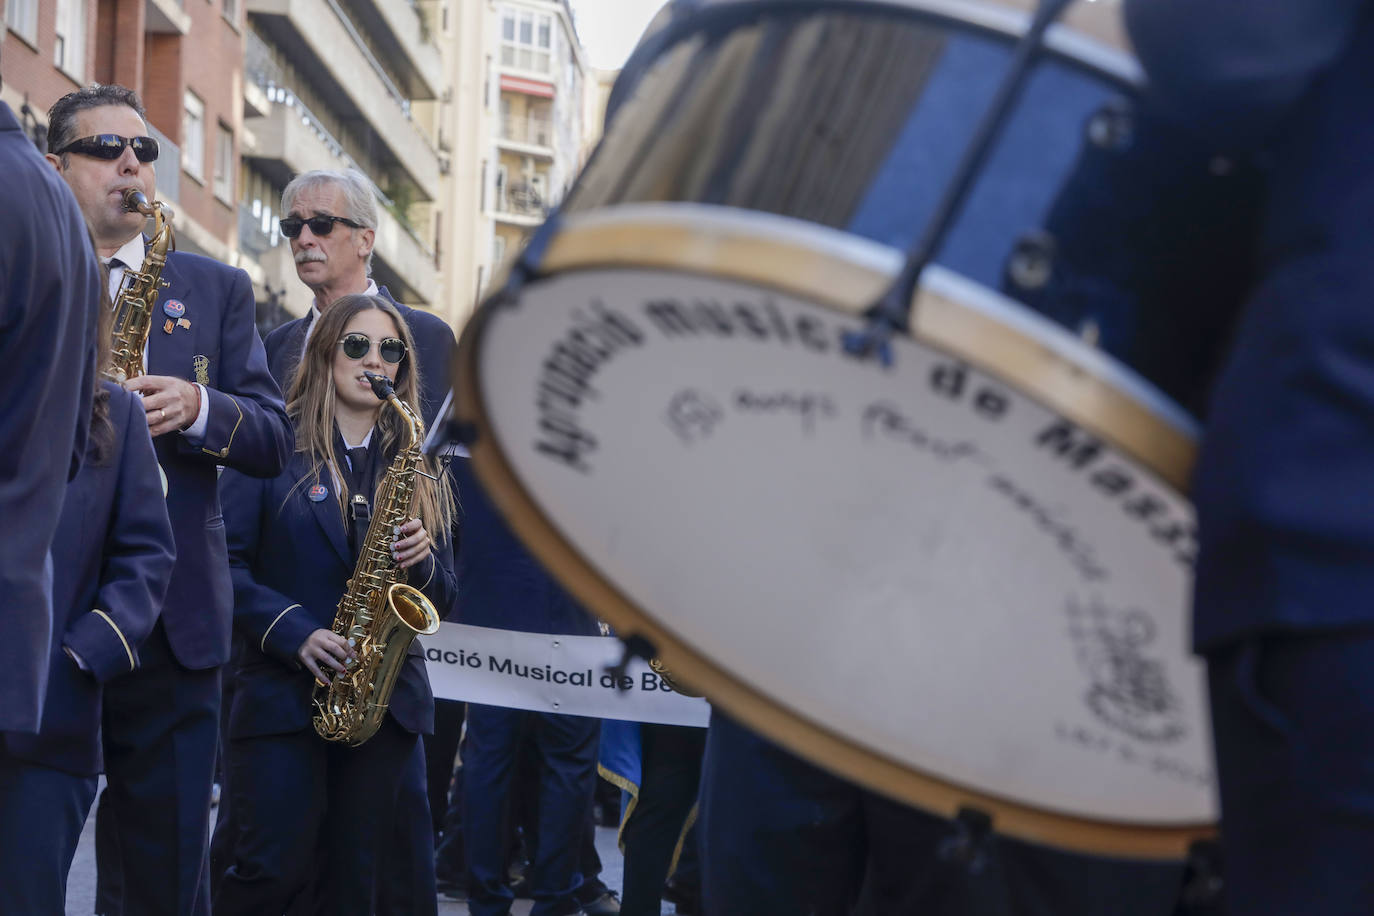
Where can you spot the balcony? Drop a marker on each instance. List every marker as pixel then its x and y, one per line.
pixel 394 27
pixel 403 263
pixel 290 140
pixel 322 40
pixel 166 17
pixel 531 135
pixel 521 205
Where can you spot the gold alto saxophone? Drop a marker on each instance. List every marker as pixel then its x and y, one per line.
pixel 378 614
pixel 133 310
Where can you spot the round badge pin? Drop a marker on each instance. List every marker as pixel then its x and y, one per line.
pixel 174 308
pixel 318 493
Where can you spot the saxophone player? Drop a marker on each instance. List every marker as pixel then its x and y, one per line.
pixel 311 815
pixel 208 400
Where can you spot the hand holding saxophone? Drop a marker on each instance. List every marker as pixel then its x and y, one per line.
pixel 170 403
pixel 412 543
pixel 325 652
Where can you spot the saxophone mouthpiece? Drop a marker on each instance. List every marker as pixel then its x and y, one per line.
pixel 136 202
pixel 381 385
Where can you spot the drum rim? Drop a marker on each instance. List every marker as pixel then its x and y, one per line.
pixel 1127 410
pixel 1061 42
pixel 770 717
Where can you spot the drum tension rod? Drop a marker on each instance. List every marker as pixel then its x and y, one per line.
pixel 966 848
pixel 1203 881
pixel 892 311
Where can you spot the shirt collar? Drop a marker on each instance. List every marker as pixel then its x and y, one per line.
pixel 370 291
pixel 131 252
pixel 364 444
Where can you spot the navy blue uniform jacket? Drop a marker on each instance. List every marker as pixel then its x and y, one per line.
pixel 248 431
pixel 290 557
pixel 1283 489
pixel 433 338
pixel 49 290
pixel 501 585
pixel 113 555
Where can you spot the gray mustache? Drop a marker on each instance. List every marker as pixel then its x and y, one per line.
pixel 305 255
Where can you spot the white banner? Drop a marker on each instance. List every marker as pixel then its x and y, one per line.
pixel 562 674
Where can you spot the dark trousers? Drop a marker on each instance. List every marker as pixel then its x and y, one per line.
pixel 445 796
pixel 222 838
pixel 42 811
pixel 670 770
pixel 310 816
pixel 779 835
pixel 441 755
pixel 567 748
pixel 406 883
pixel 160 729
pixel 1294 723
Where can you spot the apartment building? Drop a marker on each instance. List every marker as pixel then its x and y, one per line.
pixel 185 59
pixel 339 83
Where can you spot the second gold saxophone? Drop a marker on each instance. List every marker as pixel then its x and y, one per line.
pixel 378 614
pixel 133 309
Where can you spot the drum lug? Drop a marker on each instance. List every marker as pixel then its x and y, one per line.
pixel 636 646
pixel 1203 882
pixel 967 847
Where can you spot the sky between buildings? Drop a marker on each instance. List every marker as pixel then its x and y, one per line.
pixel 610 28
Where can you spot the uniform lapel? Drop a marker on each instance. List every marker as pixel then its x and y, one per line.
pixel 326 512
pixel 174 353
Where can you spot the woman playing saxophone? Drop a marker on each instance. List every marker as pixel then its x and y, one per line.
pixel 309 814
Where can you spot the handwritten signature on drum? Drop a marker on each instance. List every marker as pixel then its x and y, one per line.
pixel 1129 690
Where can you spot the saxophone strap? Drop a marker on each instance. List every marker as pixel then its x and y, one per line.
pixel 360 466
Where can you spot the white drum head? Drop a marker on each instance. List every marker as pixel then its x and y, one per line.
pixel 957 579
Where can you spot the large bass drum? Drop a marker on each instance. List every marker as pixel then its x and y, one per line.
pixel 960 575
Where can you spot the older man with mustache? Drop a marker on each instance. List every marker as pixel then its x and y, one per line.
pixel 331 222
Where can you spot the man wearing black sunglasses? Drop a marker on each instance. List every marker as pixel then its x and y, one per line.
pixel 209 400
pixel 331 223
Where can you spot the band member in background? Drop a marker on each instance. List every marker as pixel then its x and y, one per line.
pixel 308 809
pixel 49 292
pixel 114 550
pixel 505 588
pixel 209 400
pixel 331 222
pixel 1285 571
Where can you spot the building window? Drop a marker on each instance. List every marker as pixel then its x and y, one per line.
pixel 22 18
pixel 69 50
pixel 193 136
pixel 498 251
pixel 224 164
pixel 526 40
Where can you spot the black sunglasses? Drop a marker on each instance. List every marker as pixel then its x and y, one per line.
pixel 356 346
pixel 111 146
pixel 319 225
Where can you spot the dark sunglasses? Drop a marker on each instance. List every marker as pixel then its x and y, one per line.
pixel 319 225
pixel 356 346
pixel 111 146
